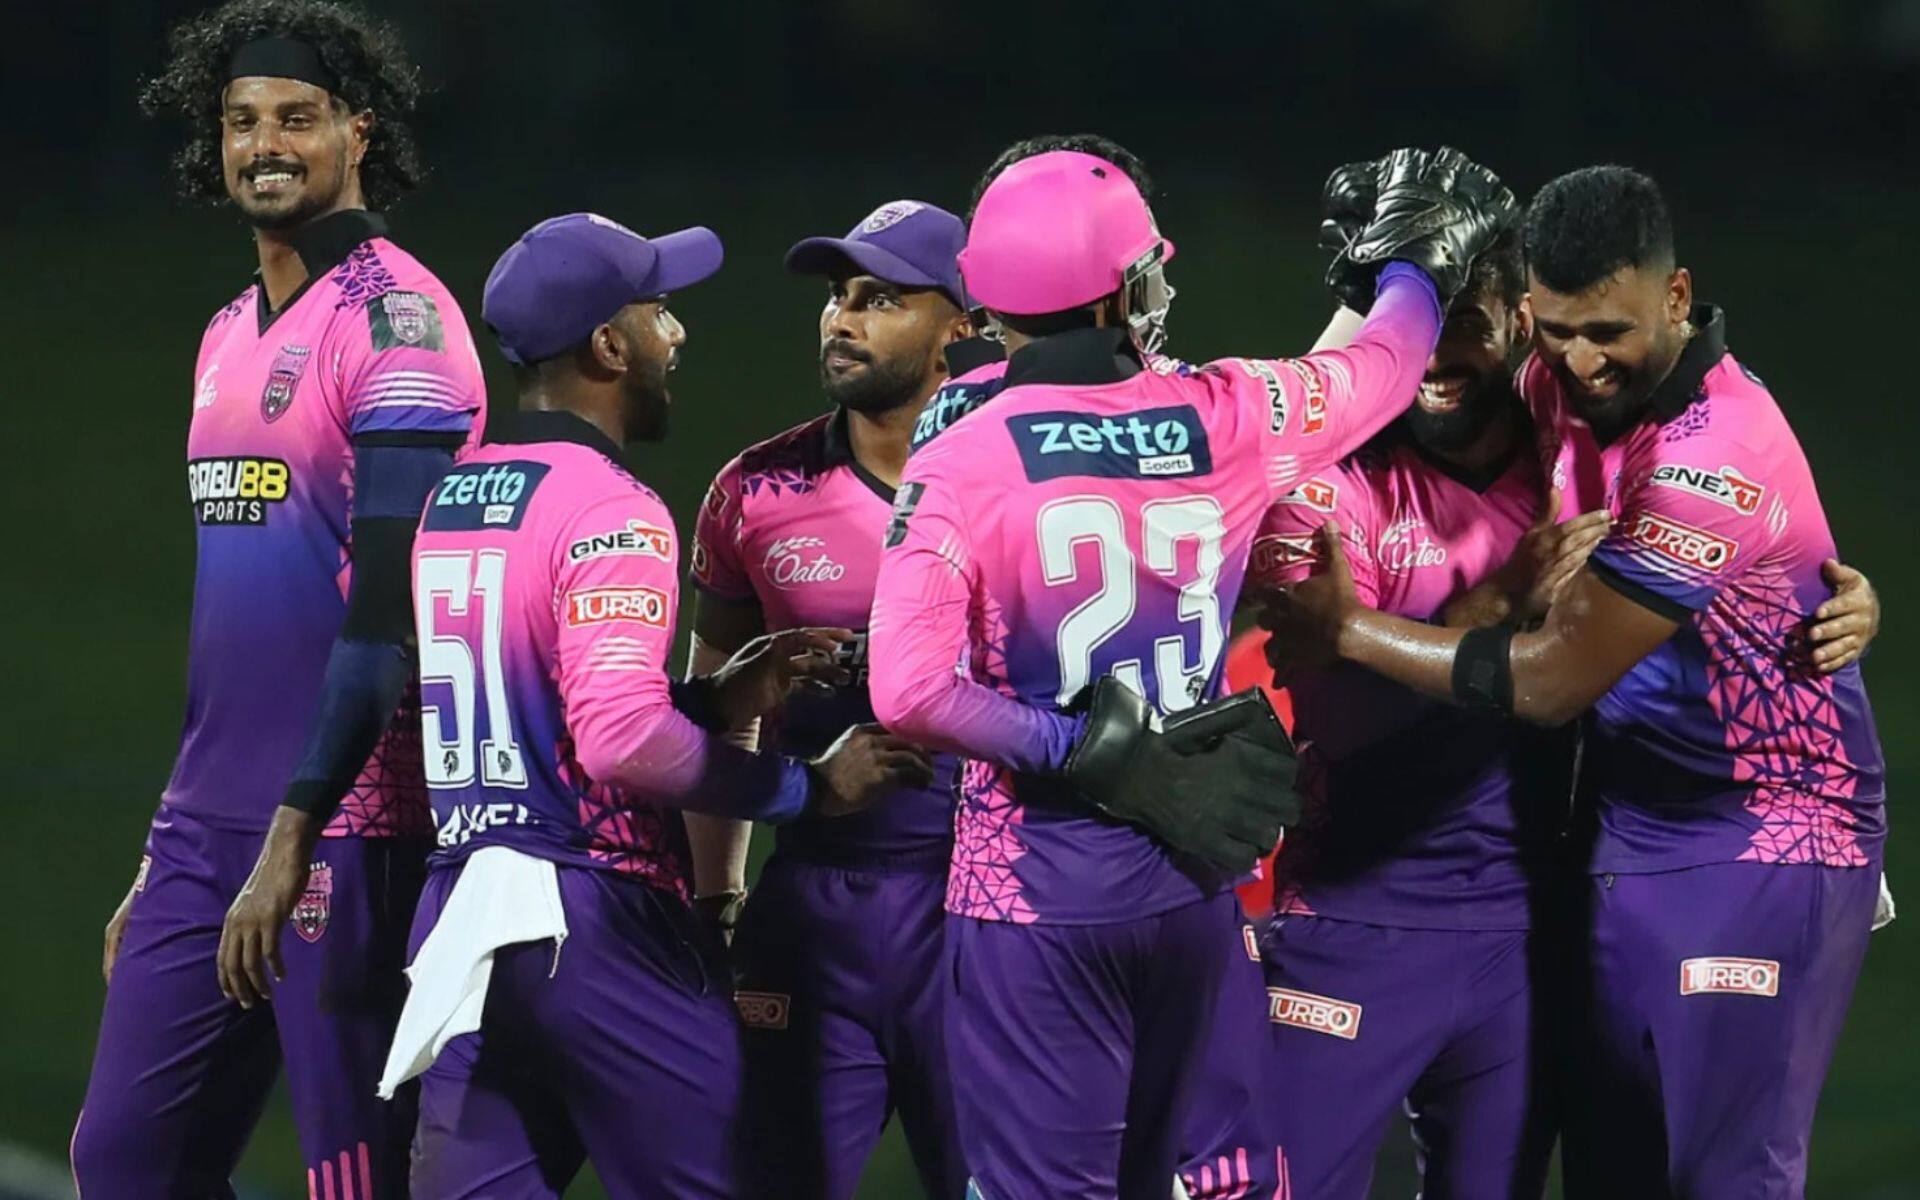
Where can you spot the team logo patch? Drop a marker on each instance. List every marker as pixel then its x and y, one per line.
pixel 282 378
pixel 763 1010
pixel 598 606
pixel 1276 394
pixel 638 538
pixel 207 391
pixel 484 496
pixel 1154 443
pixel 890 214
pixel 1314 417
pixel 1733 976
pixel 1316 494
pixel 237 490
pixel 398 320
pixel 1315 1014
pixel 140 876
pixel 1725 487
pixel 316 903
pixel 1682 543
pixel 792 561
pixel 904 502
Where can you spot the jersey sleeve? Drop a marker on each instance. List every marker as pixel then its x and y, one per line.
pixel 1688 523
pixel 919 637
pixel 717 565
pixel 398 371
pixel 615 592
pixel 1308 413
pixel 1284 550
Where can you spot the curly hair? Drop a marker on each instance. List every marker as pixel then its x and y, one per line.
pixel 1046 143
pixel 366 55
pixel 1587 224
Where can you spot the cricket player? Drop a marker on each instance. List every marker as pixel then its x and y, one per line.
pixel 326 400
pixel 1088 957
pixel 1738 787
pixel 561 1007
pixel 838 955
pixel 1429 862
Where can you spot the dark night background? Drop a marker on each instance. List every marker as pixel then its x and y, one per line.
pixel 1784 131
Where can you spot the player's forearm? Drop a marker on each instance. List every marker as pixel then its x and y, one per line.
pixel 1480 607
pixel 363 686
pixel 719 845
pixel 1341 329
pixel 1411 653
pixel 1546 683
pixel 640 743
pixel 945 712
pixel 1389 353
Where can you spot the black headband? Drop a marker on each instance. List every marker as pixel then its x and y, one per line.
pixel 282 58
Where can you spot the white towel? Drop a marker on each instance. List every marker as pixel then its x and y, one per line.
pixel 501 898
pixel 1883 913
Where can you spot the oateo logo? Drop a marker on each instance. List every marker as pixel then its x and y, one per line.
pixel 1682 542
pixel 596 606
pixel 792 561
pixel 236 491
pixel 1154 443
pixel 1314 419
pixel 638 538
pixel 1315 494
pixel 763 1010
pixel 1734 976
pixel 1316 1014
pixel 1724 487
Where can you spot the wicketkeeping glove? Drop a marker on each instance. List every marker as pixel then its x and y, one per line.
pixel 1346 208
pixel 1215 783
pixel 1437 211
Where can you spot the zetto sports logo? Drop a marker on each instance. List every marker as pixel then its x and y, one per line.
pixel 638 538
pixel 1733 976
pixel 1154 443
pixel 1682 543
pixel 236 491
pixel 598 606
pixel 1315 1014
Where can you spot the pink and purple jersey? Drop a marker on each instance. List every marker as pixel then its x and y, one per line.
pixel 956 398
pixel 1420 814
pixel 794 524
pixel 1724 744
pixel 1095 519
pixel 372 344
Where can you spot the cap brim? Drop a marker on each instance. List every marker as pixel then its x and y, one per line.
pixel 827 256
pixel 685 257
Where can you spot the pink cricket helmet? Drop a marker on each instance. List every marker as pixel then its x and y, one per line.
pixel 1058 231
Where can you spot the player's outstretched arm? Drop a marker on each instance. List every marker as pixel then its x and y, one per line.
pixel 718 846
pixel 367 673
pixel 1590 640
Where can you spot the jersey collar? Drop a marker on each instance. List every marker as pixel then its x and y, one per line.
pixel 970 354
pixel 1682 384
pixel 1076 358
pixel 532 426
pixel 836 450
pixel 322 245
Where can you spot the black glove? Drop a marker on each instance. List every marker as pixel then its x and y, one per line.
pixel 1437 211
pixel 1215 783
pixel 1346 208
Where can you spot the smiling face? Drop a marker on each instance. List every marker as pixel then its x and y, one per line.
pixel 1468 381
pixel 289 151
pixel 881 344
pixel 1612 344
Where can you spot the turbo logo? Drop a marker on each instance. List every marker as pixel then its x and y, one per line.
pixel 1683 543
pixel 1316 1014
pixel 1733 976
pixel 597 606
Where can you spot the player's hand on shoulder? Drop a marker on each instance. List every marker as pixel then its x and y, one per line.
pixel 865 764
pixel 757 679
pixel 1215 783
pixel 1549 555
pixel 1846 623
pixel 1305 618
pixel 1438 211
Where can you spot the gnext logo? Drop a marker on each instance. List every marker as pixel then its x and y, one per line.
pixel 1153 443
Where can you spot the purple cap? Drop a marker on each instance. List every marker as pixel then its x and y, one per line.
pixel 567 275
pixel 908 242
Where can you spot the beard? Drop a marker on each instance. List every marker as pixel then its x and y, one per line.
pixel 877 387
pixel 1484 399
pixel 305 200
pixel 649 406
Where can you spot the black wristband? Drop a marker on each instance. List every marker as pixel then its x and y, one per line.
pixel 698 700
pixel 310 796
pixel 1482 671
